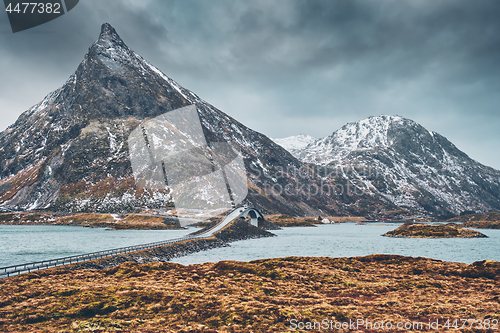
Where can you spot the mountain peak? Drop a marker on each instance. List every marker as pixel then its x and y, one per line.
pixel 109 34
pixel 109 44
pixel 106 28
pixel 370 134
pixel 400 160
pixel 375 123
pixel 388 118
pixel 295 144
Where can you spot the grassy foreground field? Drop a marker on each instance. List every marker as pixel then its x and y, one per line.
pixel 273 295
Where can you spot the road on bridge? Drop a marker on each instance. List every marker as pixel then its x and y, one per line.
pixel 34 266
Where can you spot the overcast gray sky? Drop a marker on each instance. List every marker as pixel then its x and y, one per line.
pixel 284 67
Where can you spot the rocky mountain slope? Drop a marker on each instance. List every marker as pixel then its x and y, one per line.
pixel 408 165
pixel 70 151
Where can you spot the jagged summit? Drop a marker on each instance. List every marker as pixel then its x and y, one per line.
pixel 70 151
pixel 371 132
pixel 108 32
pixel 375 133
pixel 111 50
pixel 110 37
pixel 122 83
pixel 109 41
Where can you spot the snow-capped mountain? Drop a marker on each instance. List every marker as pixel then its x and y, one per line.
pixel 70 152
pixel 408 165
pixel 295 144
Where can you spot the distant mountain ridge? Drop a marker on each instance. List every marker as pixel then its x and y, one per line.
pixel 408 165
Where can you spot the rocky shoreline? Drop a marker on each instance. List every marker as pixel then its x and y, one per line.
pixel 157 254
pixel 237 230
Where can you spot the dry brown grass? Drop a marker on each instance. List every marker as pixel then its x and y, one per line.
pixel 298 221
pixel 292 221
pixel 490 220
pixel 126 221
pixel 260 296
pixel 22 179
pixel 490 216
pixel 346 219
pixel 433 231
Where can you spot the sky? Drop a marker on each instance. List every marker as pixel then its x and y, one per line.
pixel 285 67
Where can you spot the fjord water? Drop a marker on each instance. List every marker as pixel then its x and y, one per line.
pixel 23 244
pixel 350 240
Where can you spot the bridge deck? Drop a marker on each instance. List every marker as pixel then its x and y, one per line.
pixel 9 271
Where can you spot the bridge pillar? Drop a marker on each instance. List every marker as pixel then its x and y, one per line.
pixel 254 219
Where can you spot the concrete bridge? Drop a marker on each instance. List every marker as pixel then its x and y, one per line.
pixel 255 215
pixel 240 212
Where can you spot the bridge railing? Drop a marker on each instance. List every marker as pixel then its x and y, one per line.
pixel 38 265
pixel 13 270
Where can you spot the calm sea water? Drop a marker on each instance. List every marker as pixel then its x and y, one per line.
pixel 22 244
pixel 349 240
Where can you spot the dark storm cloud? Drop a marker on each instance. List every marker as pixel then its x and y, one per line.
pixel 309 66
pixel 37 61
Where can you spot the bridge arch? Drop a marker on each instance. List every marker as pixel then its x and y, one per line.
pixel 254 213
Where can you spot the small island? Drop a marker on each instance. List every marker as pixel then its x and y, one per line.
pixel 420 230
pixel 141 221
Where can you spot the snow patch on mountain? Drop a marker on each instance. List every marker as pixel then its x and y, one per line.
pixel 368 134
pixel 296 143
